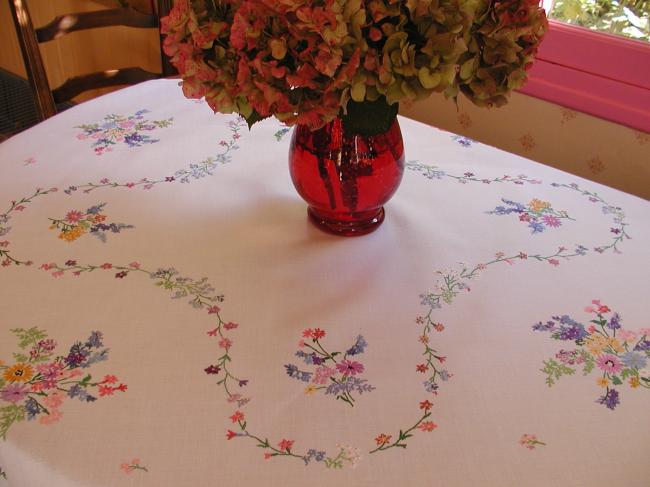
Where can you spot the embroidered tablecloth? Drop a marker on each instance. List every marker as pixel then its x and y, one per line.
pixel 169 317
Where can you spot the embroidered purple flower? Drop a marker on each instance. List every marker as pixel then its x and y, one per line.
pixel 431 386
pixel 295 373
pixel 548 326
pixel 95 340
pixel 359 346
pixel 32 408
pixel 642 346
pixel 634 360
pixel 348 367
pixel 14 392
pixel 614 322
pixel 610 399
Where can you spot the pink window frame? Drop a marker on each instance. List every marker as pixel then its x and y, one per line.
pixel 600 74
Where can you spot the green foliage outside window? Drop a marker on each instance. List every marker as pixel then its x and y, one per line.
pixel 630 18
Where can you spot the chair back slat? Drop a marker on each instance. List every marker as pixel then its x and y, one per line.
pixel 29 38
pixel 113 77
pixel 64 24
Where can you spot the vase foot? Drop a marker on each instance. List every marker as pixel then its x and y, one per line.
pixel 353 225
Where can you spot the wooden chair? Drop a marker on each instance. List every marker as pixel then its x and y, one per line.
pixel 29 38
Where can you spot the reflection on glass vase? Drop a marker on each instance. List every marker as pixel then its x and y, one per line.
pixel 346 178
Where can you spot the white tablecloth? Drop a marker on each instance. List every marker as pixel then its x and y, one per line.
pixel 492 332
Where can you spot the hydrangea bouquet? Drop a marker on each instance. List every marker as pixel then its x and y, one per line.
pixel 308 62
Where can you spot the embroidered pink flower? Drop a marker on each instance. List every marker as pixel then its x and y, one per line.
pixel 128 467
pixel 109 379
pixel 225 343
pixel 349 367
pixel 230 325
pixel 609 363
pixel 54 416
pixel 238 416
pixel 73 216
pixel 628 336
pixel 285 445
pixel 530 441
pixel 234 398
pixel 230 434
pixel 106 266
pixel 426 405
pixel 14 393
pixel 322 374
pixel 213 310
pixel 427 426
pixel 554 262
pixel 213 332
pixel 134 265
pixel 383 439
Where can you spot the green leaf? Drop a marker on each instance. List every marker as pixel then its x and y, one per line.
pixel 555 370
pixel 625 373
pixel 588 361
pixel 369 118
pixel 28 337
pixel 616 381
pixel 8 416
pixel 253 118
pixel 20 357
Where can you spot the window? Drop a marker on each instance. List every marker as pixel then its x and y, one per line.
pixel 598 73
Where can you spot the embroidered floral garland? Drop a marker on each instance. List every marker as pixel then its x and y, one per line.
pixel 37 382
pixel 119 128
pixel 537 214
pixel 92 221
pixel 339 380
pixel 619 354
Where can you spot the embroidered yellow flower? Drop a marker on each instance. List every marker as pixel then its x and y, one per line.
pixel 310 389
pixel 19 373
pixel 538 205
pixel 634 382
pixel 602 381
pixel 615 345
pixel 596 344
pixel 72 234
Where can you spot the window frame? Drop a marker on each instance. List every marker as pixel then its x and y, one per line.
pixel 604 75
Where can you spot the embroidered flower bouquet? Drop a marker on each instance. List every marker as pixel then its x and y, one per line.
pixel 337 69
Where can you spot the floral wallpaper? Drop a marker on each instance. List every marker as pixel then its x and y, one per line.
pixel 575 142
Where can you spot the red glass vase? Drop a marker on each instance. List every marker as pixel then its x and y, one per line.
pixel 346 178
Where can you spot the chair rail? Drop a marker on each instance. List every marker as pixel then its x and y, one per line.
pixel 113 77
pixel 64 24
